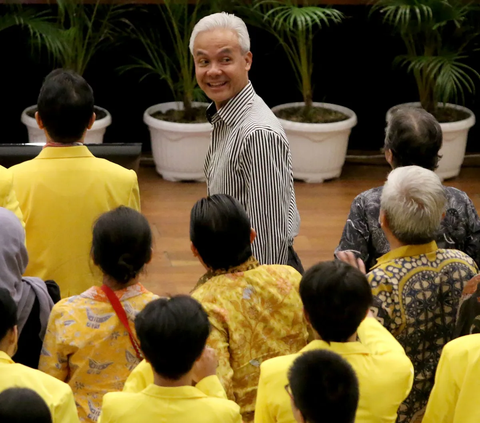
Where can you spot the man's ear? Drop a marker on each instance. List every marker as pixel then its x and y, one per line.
pixel 382 219
pixel 389 157
pixel 253 235
pixel 248 60
pixel 39 121
pixel 194 250
pixel 91 121
pixel 307 317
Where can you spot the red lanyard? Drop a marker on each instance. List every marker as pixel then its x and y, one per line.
pixel 120 312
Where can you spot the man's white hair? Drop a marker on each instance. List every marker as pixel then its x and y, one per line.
pixel 413 200
pixel 226 21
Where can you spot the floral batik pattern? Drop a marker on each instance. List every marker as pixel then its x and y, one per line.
pixel 417 298
pixel 87 346
pixel 362 234
pixel 256 314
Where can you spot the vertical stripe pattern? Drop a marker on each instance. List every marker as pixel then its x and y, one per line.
pixel 249 158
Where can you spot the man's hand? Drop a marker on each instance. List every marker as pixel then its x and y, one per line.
pixel 349 257
pixel 206 365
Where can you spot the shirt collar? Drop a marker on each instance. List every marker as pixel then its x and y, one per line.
pixel 96 293
pixel 5 358
pixel 407 251
pixel 341 348
pixel 235 108
pixel 65 152
pixel 173 392
pixel 250 264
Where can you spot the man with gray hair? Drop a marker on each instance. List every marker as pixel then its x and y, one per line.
pixel 413 137
pixel 416 286
pixel 249 155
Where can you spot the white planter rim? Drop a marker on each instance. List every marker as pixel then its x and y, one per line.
pixel 98 124
pixel 446 126
pixel 319 127
pixel 174 126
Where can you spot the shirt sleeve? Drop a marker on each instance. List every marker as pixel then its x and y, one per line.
pixel 377 338
pixel 266 165
pixel 444 396
pixel 472 241
pixel 262 411
pixel 54 358
pixel 140 378
pixel 218 340
pixel 356 234
pixel 212 387
pixel 134 200
pixel 10 201
pixel 66 410
pixel 383 307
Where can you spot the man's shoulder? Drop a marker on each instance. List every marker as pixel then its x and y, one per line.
pixel 276 368
pixel 370 195
pixel 463 348
pixel 455 255
pixel 456 195
pixel 260 118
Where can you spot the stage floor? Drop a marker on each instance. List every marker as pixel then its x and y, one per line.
pixel 323 210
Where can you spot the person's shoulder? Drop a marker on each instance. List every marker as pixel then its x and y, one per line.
pixel 56 389
pixel 372 194
pixel 276 271
pixel 276 368
pixel 455 195
pixel 460 256
pixel 461 348
pixel 117 403
pixel 260 118
pixel 113 169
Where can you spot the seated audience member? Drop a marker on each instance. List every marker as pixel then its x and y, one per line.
pixel 173 333
pixel 65 188
pixel 454 398
pixel 90 341
pixel 323 388
pixel 417 286
pixel 469 314
pixel 413 137
pixel 255 311
pixel 22 405
pixel 8 199
pixel 57 395
pixel 336 299
pixel 33 297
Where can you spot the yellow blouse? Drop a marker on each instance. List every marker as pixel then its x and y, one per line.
pixel 256 314
pixel 87 346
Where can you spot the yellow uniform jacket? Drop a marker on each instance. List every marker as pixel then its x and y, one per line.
pixel 8 199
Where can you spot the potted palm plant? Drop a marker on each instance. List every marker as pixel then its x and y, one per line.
pixel 318 132
pixel 179 130
pixel 437 37
pixel 74 34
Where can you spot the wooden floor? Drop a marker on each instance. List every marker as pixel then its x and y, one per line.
pixel 323 210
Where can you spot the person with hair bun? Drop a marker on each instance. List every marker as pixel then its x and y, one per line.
pixel 91 342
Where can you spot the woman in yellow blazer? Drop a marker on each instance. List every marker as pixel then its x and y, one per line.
pixel 65 188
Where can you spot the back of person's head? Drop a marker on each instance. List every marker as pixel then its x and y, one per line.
pixel 122 243
pixel 414 137
pixel 65 105
pixel 220 231
pixel 324 387
pixel 23 405
pixel 413 200
pixel 336 298
pixel 222 20
pixel 8 313
pixel 172 334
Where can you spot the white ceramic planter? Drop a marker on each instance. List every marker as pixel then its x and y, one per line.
pixel 93 136
pixel 455 136
pixel 318 149
pixel 178 149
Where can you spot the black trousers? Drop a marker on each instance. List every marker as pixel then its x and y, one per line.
pixel 294 260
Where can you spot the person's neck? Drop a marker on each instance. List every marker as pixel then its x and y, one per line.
pixel 185 380
pixel 117 286
pixel 352 338
pixel 392 240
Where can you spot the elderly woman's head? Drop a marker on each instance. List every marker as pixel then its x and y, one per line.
pixel 413 137
pixel 412 205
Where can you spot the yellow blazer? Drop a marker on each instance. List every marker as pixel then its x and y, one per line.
pixel 8 199
pixel 61 193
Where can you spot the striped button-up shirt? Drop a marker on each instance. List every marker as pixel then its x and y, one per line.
pixel 249 159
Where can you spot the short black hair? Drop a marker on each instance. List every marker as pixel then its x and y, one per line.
pixel 23 405
pixel 324 387
pixel 122 243
pixel 8 312
pixel 220 231
pixel 414 137
pixel 336 298
pixel 172 334
pixel 65 105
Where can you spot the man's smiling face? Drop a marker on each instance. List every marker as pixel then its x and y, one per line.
pixel 220 65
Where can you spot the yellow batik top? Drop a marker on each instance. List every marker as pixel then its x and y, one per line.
pixel 87 346
pixel 256 314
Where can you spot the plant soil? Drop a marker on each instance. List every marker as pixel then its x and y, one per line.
pixel 449 114
pixel 317 115
pixel 98 112
pixel 178 116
